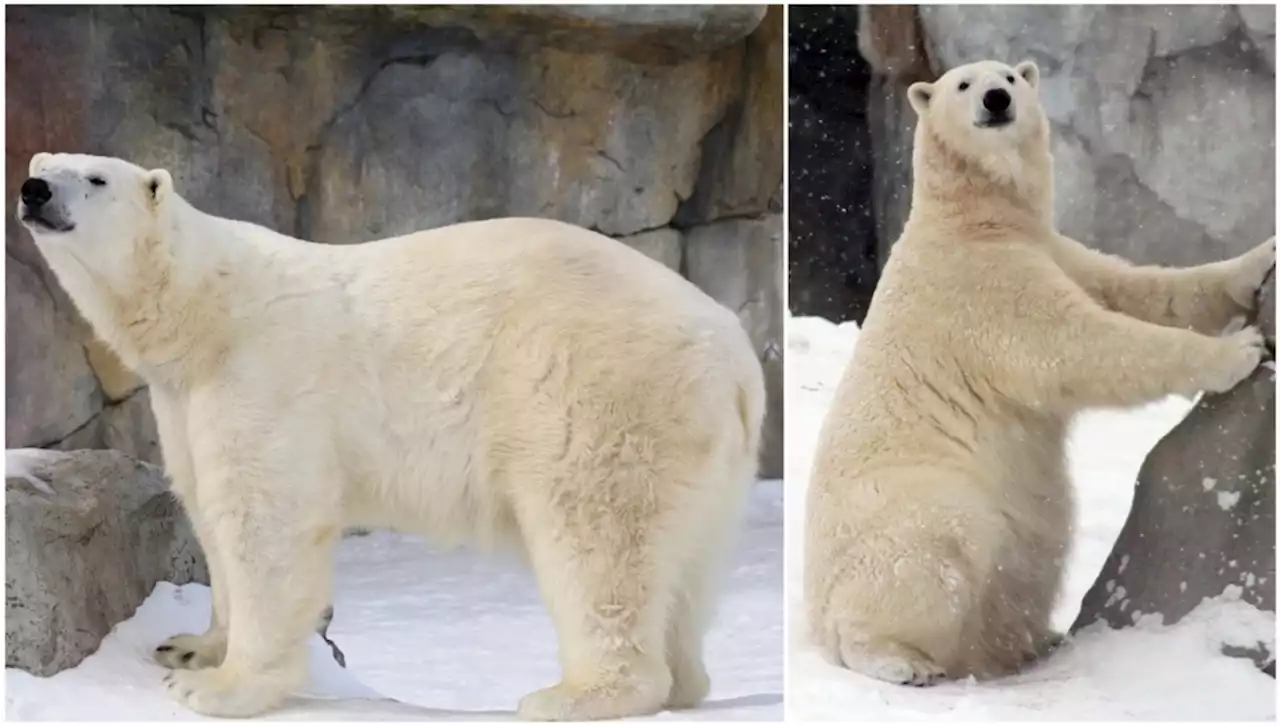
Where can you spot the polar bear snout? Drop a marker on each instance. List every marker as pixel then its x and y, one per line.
pixel 39 211
pixel 35 192
pixel 997 109
pixel 996 101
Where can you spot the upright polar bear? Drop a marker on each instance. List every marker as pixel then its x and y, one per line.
pixel 939 511
pixel 514 381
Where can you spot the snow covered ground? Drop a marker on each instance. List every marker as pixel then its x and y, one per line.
pixel 431 636
pixel 1145 672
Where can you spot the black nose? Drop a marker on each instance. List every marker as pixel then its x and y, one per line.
pixel 35 192
pixel 996 100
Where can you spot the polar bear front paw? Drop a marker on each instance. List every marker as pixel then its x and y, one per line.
pixel 221 692
pixel 1250 273
pixel 192 652
pixel 1244 350
pixel 567 703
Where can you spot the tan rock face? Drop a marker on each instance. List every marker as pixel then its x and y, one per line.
pixel 342 125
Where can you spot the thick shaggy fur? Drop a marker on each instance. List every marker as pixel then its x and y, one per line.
pixel 514 381
pixel 940 510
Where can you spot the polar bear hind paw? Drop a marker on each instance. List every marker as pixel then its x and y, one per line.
pixel 893 663
pixel 222 692
pixel 568 703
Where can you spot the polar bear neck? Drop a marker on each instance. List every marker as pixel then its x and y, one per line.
pixel 1005 192
pixel 177 278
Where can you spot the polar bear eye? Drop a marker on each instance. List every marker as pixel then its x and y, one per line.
pixel 1010 79
pixel 97 181
pixel 964 85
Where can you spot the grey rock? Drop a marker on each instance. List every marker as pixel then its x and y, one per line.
pixel 1203 515
pixel 739 263
pixel 665 245
pixel 642 32
pixel 1259 23
pixel 88 534
pixel 50 389
pixel 742 155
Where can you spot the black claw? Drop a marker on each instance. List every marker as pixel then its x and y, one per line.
pixel 186 657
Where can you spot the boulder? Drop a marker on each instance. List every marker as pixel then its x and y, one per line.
pixel 739 263
pixel 1204 511
pixel 88 534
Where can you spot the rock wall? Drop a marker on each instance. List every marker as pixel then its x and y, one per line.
pixel 652 124
pixel 1163 118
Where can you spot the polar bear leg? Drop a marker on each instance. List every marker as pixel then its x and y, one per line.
pixel 696 590
pixel 601 568
pixel 690 616
pixel 911 578
pixel 209 648
pixel 188 650
pixel 279 581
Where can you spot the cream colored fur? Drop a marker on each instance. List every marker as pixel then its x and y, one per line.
pixel 513 382
pixel 939 513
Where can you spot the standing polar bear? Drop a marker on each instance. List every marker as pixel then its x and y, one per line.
pixel 939 512
pixel 514 381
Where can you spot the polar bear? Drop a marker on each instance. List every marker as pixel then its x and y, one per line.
pixel 516 382
pixel 939 511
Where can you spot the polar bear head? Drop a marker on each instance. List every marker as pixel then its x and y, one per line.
pixel 102 225
pixel 983 119
pixel 92 215
pixel 71 196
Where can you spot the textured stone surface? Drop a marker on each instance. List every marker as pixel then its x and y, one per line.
pixel 742 155
pixel 88 534
pixel 1204 509
pixel 665 245
pixel 50 388
pixel 640 32
pixel 346 124
pixel 751 251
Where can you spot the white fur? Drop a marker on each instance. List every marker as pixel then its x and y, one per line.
pixel 515 381
pixel 939 511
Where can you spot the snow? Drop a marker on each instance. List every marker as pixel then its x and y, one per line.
pixel 431 635
pixel 1145 672
pixel 23 464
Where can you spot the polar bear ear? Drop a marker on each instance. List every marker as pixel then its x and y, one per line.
pixel 37 161
pixel 919 94
pixel 159 184
pixel 1030 72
